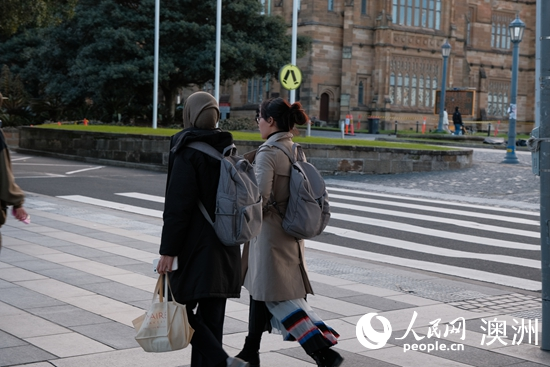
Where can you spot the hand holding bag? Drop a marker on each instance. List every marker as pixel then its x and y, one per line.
pixel 164 327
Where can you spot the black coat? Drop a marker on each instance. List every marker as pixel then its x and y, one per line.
pixel 206 268
pixel 457 118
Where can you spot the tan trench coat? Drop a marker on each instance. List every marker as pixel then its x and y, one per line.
pixel 276 263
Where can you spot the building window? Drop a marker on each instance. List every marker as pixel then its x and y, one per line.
pixel 255 90
pixel 262 12
pixel 346 52
pixel 330 5
pixel 469 21
pixel 361 94
pixel 363 7
pixel 413 83
pixel 413 91
pixel 497 99
pixel 417 13
pixel 500 37
pixel 392 88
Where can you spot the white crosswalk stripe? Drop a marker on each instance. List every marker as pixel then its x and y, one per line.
pixel 466 240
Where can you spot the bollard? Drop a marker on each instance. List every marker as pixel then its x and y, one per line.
pixel 417 127
pixel 342 123
pixel 395 127
pixel 489 129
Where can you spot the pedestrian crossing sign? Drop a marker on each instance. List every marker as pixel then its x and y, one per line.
pixel 290 77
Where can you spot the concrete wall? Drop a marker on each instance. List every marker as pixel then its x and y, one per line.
pixel 153 151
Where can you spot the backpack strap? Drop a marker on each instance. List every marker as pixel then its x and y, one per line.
pixel 297 152
pixel 213 152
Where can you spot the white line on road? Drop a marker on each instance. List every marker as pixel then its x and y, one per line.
pixel 429 266
pixel 83 170
pixel 19 159
pixel 438 210
pixel 434 232
pixel 465 205
pixel 114 205
pixel 428 218
pixel 431 250
pixel 137 195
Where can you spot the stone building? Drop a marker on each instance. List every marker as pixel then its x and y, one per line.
pixel 383 58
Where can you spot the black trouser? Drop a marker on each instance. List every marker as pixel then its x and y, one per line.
pixel 259 319
pixel 207 348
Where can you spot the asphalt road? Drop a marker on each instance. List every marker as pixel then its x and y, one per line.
pixel 475 194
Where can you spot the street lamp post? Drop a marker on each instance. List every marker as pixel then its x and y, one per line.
pixel 516 28
pixel 445 52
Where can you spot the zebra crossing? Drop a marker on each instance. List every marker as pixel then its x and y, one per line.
pixel 477 242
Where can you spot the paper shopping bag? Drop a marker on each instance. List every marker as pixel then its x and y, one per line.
pixel 164 327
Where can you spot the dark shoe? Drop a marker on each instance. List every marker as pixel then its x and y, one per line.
pixel 250 352
pixel 331 358
pixel 327 358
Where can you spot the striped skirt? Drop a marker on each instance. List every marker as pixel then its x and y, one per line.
pixel 296 320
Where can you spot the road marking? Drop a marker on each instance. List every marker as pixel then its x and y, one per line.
pixel 114 205
pixel 395 225
pixel 483 276
pixel 438 210
pixel 463 205
pixel 434 232
pixel 19 159
pixel 451 221
pixel 432 250
pixel 48 175
pixel 137 195
pixel 84 170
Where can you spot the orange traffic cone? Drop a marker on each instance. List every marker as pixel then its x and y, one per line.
pixel 351 125
pixel 496 128
pixel 59 123
pixel 85 121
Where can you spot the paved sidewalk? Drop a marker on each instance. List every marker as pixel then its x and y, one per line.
pixel 72 281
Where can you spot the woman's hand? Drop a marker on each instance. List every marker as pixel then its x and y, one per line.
pixel 165 264
pixel 20 213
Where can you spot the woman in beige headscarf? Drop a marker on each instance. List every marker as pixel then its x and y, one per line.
pixel 208 272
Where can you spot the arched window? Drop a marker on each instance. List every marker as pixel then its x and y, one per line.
pixel 399 90
pixel 361 94
pixel 427 92
pixel 434 89
pixel 406 90
pixel 363 7
pixel 392 88
pixel 330 5
pixel 413 90
pixel 421 91
pixel 255 90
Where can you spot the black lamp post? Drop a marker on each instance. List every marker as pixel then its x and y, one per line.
pixel 445 52
pixel 516 29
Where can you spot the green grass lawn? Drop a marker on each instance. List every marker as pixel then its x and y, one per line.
pixel 241 135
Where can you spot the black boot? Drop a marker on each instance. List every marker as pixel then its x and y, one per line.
pixel 327 358
pixel 251 351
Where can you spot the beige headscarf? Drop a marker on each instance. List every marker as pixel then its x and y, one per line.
pixel 201 111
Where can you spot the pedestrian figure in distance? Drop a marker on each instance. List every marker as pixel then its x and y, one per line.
pixel 208 271
pixel 276 277
pixel 446 121
pixel 457 121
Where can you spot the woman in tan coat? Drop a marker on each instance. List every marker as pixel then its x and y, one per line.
pixel 277 278
pixel 10 193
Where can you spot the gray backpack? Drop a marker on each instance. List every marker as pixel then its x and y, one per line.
pixel 238 200
pixel 308 211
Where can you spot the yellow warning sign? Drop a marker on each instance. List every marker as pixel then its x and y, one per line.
pixel 290 77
